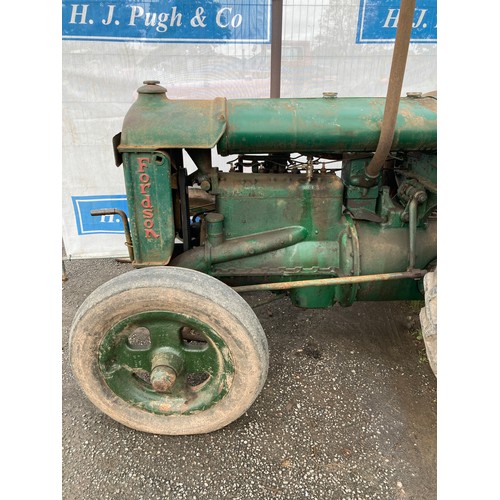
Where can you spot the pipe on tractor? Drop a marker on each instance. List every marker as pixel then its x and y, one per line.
pixel 399 57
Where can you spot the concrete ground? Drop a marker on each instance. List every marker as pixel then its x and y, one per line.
pixel 348 412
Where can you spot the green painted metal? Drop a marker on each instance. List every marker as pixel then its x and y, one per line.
pixel 256 202
pixel 374 250
pixel 360 201
pixel 368 234
pixel 273 125
pixel 332 245
pixel 324 125
pixel 313 296
pixel 156 122
pixel 386 249
pixel 236 249
pixel 126 365
pixel 281 222
pixel 149 196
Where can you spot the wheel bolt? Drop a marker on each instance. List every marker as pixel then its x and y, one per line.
pixel 162 378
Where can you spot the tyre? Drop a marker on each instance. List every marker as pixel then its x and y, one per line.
pixel 168 350
pixel 428 319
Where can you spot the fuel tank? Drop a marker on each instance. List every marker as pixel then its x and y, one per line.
pixel 333 125
pixel 306 125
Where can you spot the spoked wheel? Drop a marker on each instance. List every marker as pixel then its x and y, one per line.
pixel 169 351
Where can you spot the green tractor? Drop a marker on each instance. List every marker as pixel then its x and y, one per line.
pixel 331 200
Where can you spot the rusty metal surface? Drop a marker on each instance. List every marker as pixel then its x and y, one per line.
pixel 247 200
pixel 324 125
pixel 344 280
pixel 154 121
pixel 200 200
pixel 403 34
pixel 149 197
pixel 126 228
pixel 202 258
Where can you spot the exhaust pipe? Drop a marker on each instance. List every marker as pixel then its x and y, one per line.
pixel 398 65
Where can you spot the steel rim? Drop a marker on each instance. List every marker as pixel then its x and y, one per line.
pixel 165 363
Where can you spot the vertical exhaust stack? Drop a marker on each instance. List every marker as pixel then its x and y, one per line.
pixel 399 57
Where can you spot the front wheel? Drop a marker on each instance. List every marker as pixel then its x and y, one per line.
pixel 168 350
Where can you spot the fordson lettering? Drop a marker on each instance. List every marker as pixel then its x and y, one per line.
pixel 147 208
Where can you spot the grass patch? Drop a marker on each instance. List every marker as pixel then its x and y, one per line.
pixel 419 338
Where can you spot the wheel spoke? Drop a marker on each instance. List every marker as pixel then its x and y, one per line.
pixel 131 358
pixel 165 333
pixel 200 359
pixel 116 352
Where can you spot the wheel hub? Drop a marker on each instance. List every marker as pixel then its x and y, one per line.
pixel 165 366
pixel 162 378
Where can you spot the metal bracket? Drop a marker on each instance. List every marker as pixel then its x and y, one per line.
pixel 126 228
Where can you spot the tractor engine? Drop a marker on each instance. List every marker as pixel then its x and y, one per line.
pixel 298 203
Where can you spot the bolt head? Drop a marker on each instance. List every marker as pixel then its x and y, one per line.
pixel 421 197
pixel 205 185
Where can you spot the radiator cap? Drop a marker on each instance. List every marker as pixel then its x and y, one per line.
pixel 151 87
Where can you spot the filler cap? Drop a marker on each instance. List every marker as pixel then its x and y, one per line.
pixel 151 87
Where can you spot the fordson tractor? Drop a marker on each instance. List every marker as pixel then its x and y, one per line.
pixel 330 199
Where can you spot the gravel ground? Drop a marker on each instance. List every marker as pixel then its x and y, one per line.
pixel 348 412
